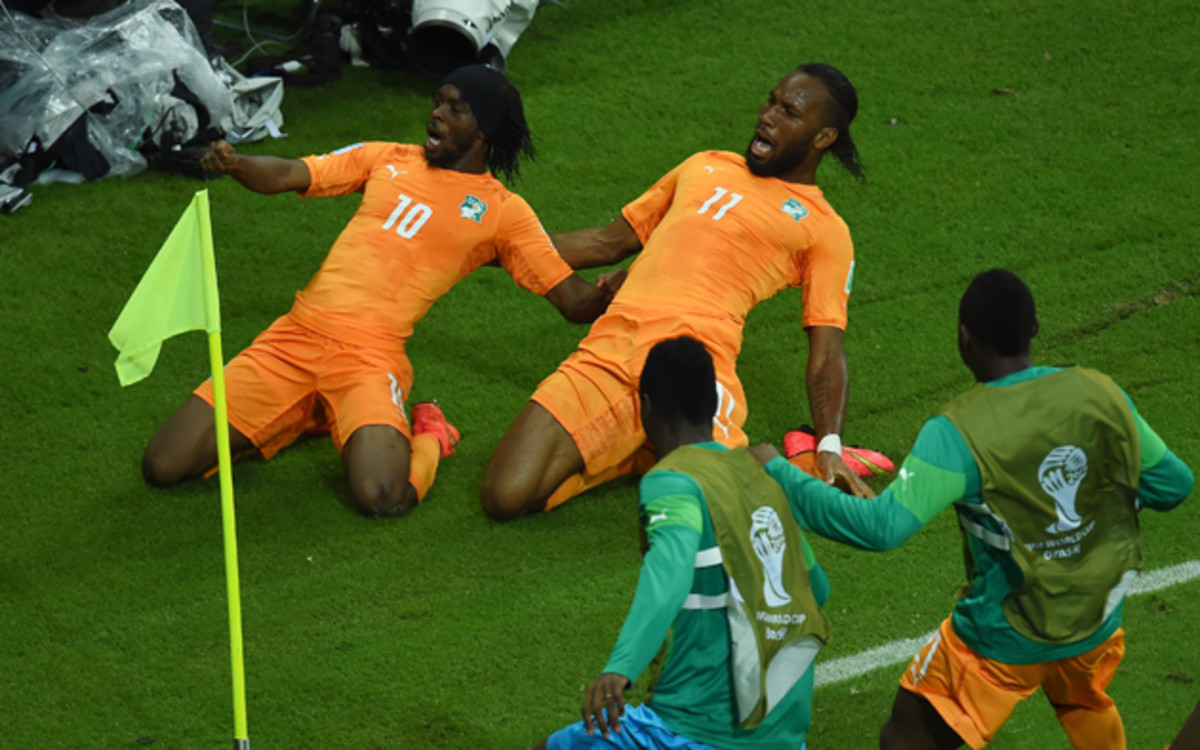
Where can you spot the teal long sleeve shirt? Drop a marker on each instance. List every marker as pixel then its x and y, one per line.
pixel 940 472
pixel 694 694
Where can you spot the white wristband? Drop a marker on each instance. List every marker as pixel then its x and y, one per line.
pixel 831 443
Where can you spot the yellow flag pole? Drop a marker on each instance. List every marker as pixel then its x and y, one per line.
pixel 212 308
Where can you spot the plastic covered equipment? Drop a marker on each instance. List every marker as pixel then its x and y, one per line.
pixel 84 101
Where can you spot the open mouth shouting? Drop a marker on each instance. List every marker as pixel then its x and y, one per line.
pixel 761 147
pixel 435 138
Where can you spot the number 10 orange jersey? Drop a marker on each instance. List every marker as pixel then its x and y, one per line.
pixel 418 230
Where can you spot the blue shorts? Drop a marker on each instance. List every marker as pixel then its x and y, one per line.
pixel 641 729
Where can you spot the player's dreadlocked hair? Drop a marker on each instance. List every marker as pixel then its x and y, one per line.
pixel 512 141
pixel 496 106
pixel 678 378
pixel 842 109
pixel 999 311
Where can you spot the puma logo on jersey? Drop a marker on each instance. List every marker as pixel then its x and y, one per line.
pixel 714 169
pixel 794 209
pixel 472 208
pixel 395 174
pixel 905 475
pixel 656 518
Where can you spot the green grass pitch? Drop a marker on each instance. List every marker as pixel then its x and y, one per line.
pixel 445 630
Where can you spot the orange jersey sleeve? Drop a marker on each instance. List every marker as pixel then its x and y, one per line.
pixel 826 274
pixel 343 171
pixel 644 213
pixel 525 250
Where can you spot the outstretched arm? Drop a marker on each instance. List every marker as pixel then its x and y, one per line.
pixel 932 477
pixel 581 302
pixel 878 524
pixel 262 174
pixel 597 246
pixel 828 385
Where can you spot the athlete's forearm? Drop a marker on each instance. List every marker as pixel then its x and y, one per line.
pixel 877 524
pixel 663 586
pixel 597 246
pixel 581 302
pixel 827 380
pixel 270 174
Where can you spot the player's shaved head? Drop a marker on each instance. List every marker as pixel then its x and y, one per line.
pixel 998 311
pixel 679 382
pixel 840 112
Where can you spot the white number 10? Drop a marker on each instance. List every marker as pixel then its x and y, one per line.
pixel 734 198
pixel 412 221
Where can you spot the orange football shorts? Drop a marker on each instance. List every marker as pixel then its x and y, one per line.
pixel 594 393
pixel 294 381
pixel 976 695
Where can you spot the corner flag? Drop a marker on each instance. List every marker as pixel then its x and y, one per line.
pixel 178 293
pixel 170 299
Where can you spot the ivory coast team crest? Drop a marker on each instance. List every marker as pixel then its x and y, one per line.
pixel 794 209
pixel 472 208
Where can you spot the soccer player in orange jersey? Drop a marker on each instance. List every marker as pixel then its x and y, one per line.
pixel 336 362
pixel 718 234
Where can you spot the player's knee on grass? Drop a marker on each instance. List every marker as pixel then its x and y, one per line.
pixel 160 466
pixel 377 464
pixel 185 446
pixel 505 499
pixel 374 496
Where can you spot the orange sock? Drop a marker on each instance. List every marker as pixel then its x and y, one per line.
pixel 423 463
pixel 574 485
pixel 577 484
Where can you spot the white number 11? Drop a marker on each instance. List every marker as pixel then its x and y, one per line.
pixel 734 198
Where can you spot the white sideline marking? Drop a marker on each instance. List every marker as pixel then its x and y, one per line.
pixel 1164 577
pixel 849 667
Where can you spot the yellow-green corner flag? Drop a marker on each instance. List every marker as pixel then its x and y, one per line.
pixel 169 300
pixel 178 293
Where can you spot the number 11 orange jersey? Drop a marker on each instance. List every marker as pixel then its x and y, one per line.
pixel 718 240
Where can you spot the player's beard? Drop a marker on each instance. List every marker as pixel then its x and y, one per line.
pixel 779 164
pixel 450 152
pixel 444 159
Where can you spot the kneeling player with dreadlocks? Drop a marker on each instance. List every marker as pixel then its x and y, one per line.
pixel 716 235
pixel 336 362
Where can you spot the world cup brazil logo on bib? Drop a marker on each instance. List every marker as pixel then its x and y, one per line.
pixel 766 534
pixel 1060 474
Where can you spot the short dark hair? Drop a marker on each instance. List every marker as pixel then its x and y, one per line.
pixel 999 311
pixel 680 382
pixel 843 106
